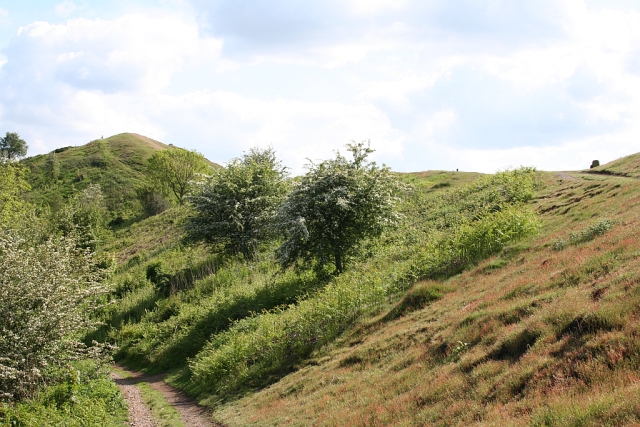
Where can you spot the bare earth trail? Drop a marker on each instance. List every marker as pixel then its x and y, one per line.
pixel 190 412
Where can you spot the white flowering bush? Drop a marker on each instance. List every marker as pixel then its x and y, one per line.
pixel 336 205
pixel 47 289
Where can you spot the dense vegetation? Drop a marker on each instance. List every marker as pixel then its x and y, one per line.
pixel 456 298
pixel 245 324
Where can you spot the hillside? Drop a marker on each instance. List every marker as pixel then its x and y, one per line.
pixel 628 166
pixel 544 334
pixel 503 299
pixel 116 163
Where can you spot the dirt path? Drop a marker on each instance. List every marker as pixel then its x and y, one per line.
pixel 139 414
pixel 190 412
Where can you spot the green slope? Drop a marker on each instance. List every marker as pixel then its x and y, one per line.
pixel 543 333
pixel 628 166
pixel 116 163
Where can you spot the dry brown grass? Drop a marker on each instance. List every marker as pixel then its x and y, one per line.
pixel 535 336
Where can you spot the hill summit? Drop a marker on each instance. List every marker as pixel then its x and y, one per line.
pixel 117 164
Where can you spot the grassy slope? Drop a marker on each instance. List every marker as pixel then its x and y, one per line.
pixel 117 163
pixel 627 166
pixel 539 337
pixel 534 336
pixel 156 333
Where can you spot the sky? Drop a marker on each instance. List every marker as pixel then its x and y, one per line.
pixel 474 85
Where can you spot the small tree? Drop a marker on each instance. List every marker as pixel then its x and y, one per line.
pixel 177 170
pixel 151 201
pixel 336 205
pixel 12 147
pixel 47 290
pixel 237 204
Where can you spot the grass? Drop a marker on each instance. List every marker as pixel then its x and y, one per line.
pixel 627 166
pixel 474 311
pixel 87 398
pixel 164 414
pixel 545 338
pixel 249 325
pixel 118 164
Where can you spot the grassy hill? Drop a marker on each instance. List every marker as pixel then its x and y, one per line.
pixel 628 166
pixel 543 332
pixel 117 163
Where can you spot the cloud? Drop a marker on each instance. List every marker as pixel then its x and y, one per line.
pixel 476 85
pixel 130 53
pixel 65 8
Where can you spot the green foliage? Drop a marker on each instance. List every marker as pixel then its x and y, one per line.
pixel 12 186
pixel 161 280
pixel 47 290
pixel 177 170
pixel 151 200
pixel 449 252
pixel 53 166
pixel 83 218
pixel 12 147
pixel 118 164
pixel 598 228
pixel 237 205
pixel 85 398
pixel 337 205
pixel 258 350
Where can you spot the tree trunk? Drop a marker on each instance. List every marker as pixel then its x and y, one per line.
pixel 338 262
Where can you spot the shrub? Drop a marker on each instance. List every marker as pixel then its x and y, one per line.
pixel 337 205
pixel 151 201
pixel 257 350
pixel 46 292
pixel 236 206
pixel 160 279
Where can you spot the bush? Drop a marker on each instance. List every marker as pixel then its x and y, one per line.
pixel 337 204
pixel 47 290
pixel 160 279
pixel 86 397
pixel 151 201
pixel 237 204
pixel 257 350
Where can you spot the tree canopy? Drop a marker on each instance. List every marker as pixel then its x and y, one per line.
pixel 12 147
pixel 336 205
pixel 236 206
pixel 176 170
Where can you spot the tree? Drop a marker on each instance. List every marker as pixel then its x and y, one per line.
pixel 336 205
pixel 12 147
pixel 176 169
pixel 236 206
pixel 151 201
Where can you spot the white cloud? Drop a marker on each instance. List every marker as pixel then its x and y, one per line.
pixel 476 90
pixel 135 52
pixel 65 8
